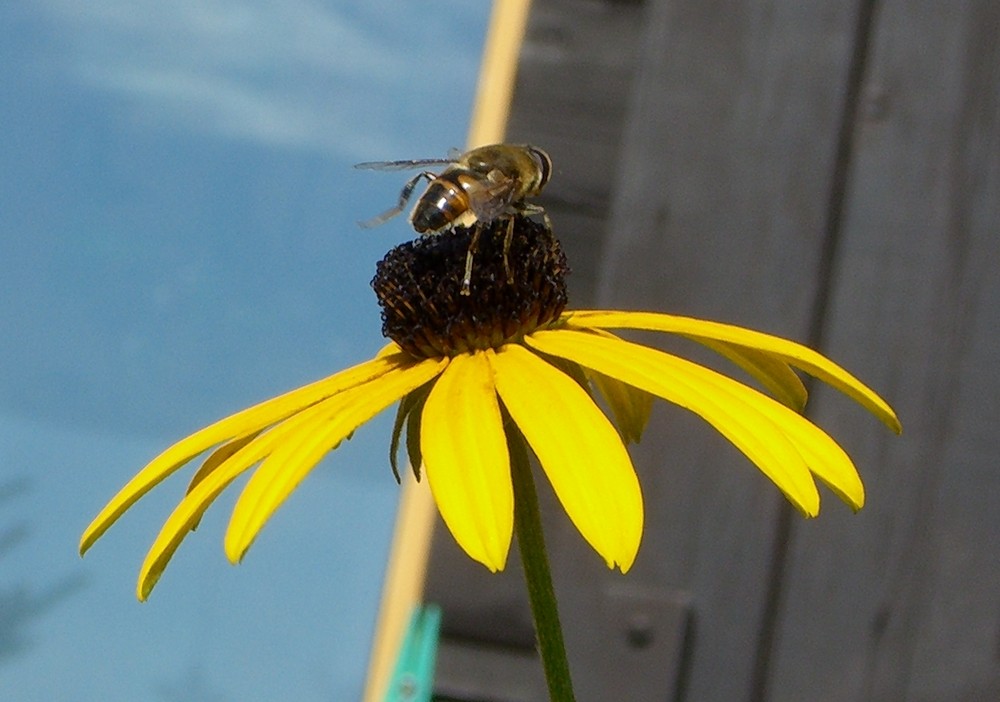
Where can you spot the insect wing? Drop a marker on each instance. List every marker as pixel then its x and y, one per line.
pixel 402 165
pixel 489 200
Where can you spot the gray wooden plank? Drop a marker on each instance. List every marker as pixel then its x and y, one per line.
pixel 901 601
pixel 573 85
pixel 473 670
pixel 721 211
pixel 719 206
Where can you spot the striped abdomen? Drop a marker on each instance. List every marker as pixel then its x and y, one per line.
pixel 444 203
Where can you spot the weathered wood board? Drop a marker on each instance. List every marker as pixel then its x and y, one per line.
pixel 826 171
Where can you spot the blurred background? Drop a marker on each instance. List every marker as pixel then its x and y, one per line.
pixel 178 240
pixel 828 171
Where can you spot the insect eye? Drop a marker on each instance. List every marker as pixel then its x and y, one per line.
pixel 544 164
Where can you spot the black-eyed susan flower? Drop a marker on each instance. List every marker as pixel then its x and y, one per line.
pixel 471 371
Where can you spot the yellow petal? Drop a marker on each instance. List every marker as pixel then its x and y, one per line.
pixel 630 406
pixel 182 521
pixel 296 455
pixel 247 421
pixel 579 449
pixel 219 456
pixel 466 459
pixel 197 500
pixel 189 511
pixel 215 460
pixel 389 349
pixel 698 329
pixel 773 373
pixel 204 491
pixel 824 456
pixel 731 407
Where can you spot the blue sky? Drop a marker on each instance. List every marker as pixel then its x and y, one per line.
pixel 178 240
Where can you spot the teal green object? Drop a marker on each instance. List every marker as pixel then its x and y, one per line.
pixel 413 676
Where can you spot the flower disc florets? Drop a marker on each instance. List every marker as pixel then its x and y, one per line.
pixel 419 286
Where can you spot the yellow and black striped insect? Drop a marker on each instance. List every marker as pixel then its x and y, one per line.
pixel 476 188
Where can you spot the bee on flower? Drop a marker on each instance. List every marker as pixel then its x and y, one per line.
pixel 509 365
pixel 484 185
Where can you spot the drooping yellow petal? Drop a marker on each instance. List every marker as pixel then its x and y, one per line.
pixel 219 456
pixel 824 456
pixel 795 354
pixel 579 449
pixel 296 455
pixel 729 406
pixel 216 459
pixel 247 421
pixel 629 405
pixel 413 452
pixel 200 496
pixel 183 520
pixel 774 374
pixel 412 403
pixel 203 492
pixel 466 459
pixel 402 411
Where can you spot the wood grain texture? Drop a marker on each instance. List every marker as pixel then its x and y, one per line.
pixel 720 211
pixel 902 600
pixel 830 172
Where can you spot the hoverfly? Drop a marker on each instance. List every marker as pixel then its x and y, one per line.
pixel 476 188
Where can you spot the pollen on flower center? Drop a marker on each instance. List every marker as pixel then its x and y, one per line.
pixel 419 286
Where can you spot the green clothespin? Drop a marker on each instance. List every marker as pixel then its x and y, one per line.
pixel 413 676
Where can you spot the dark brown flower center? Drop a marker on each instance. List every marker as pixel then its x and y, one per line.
pixel 419 286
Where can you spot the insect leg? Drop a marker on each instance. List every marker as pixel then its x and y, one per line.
pixel 473 246
pixel 508 237
pixel 529 210
pixel 404 197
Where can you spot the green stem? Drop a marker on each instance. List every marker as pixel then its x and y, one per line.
pixel 531 544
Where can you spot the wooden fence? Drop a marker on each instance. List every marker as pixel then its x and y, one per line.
pixel 826 170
